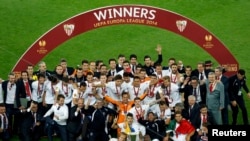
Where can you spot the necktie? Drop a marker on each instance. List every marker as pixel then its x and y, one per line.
pixel 211 87
pixel 58 108
pixel 190 109
pixel 82 117
pixel 204 119
pixel 34 118
pixel 11 85
pixel 93 115
pixel 194 92
pixel 27 88
pixel 133 67
pixel 201 76
pixel 113 73
pixel 5 123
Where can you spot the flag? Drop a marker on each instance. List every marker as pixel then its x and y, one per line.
pixel 127 129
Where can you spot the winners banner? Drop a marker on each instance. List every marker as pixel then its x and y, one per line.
pixel 127 14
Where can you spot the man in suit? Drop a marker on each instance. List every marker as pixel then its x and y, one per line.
pixel 24 90
pixel 224 80
pixel 202 117
pixel 236 82
pixel 193 109
pixel 121 59
pixel 195 89
pixel 200 72
pixel 98 120
pixel 23 97
pixel 112 68
pixel 31 125
pixel 77 121
pixel 9 92
pixel 133 62
pixel 215 97
pixel 4 128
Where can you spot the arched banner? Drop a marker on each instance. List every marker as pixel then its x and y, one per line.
pixel 127 14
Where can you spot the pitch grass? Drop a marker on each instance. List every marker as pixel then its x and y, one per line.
pixel 23 21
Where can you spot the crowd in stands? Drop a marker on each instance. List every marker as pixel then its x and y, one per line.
pixel 120 100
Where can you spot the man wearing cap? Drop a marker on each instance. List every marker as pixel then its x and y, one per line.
pixel 208 65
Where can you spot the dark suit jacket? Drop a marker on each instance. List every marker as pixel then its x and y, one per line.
pixel 109 72
pixel 224 80
pixel 29 131
pixel 182 70
pixel 118 68
pixel 193 112
pixel 1 121
pixel 70 70
pixel 188 90
pixel 197 121
pixel 28 120
pixel 98 123
pixel 196 73
pixel 20 91
pixel 74 123
pixel 5 88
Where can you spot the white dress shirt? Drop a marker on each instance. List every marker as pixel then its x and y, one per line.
pixel 61 112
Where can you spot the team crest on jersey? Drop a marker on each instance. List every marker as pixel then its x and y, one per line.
pixel 69 28
pixel 181 25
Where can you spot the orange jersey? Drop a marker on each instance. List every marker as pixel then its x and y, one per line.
pixel 145 79
pixel 123 107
